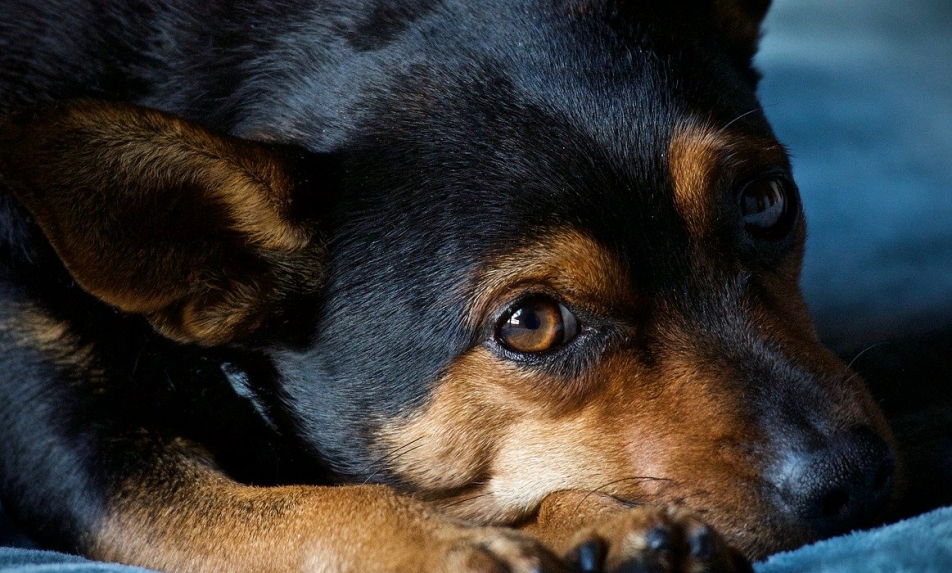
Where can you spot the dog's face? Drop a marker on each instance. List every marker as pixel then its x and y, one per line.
pixel 568 263
pixel 589 283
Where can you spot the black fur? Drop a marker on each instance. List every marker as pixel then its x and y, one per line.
pixel 447 131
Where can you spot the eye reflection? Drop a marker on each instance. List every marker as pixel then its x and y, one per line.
pixel 536 325
pixel 765 207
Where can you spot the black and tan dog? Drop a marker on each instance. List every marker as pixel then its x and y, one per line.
pixel 410 285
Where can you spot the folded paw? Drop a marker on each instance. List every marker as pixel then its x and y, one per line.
pixel 653 539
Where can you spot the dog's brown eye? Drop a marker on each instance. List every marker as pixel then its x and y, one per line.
pixel 535 325
pixel 765 205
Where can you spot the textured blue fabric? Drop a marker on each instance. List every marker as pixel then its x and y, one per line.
pixel 33 561
pixel 922 544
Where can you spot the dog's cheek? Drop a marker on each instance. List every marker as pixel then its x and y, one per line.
pixel 588 451
pixel 491 444
pixel 690 438
pixel 496 438
pixel 670 435
pixel 450 442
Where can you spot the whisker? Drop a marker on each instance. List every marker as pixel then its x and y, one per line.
pixel 382 466
pixel 465 499
pixel 169 380
pixel 390 456
pixel 861 352
pixel 736 119
pixel 851 376
pixel 135 362
pixel 619 480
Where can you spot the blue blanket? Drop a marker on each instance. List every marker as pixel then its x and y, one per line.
pixel 14 560
pixel 919 545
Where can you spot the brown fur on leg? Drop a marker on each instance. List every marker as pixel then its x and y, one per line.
pixel 180 514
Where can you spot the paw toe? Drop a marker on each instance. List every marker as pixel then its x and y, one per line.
pixel 653 540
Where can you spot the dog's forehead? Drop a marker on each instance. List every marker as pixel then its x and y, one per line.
pixel 613 70
pixel 548 151
pixel 494 155
pixel 482 147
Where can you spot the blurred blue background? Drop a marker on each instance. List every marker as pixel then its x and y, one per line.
pixel 861 92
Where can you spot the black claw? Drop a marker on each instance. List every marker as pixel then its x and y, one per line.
pixel 589 556
pixel 658 538
pixel 702 544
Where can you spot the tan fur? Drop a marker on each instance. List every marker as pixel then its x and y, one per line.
pixel 564 513
pixel 36 330
pixel 568 262
pixel 702 158
pixel 104 182
pixel 692 162
pixel 183 516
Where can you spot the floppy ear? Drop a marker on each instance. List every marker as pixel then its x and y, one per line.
pixel 205 235
pixel 739 22
pixel 735 24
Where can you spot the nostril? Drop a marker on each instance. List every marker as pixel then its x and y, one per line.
pixel 833 504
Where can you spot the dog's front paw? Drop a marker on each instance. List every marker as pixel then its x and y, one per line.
pixel 492 550
pixel 653 539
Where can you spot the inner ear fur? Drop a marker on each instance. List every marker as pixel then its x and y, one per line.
pixel 205 235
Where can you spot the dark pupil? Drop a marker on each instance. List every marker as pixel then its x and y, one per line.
pixel 535 326
pixel 528 319
pixel 763 205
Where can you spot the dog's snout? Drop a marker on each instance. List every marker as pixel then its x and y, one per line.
pixel 842 485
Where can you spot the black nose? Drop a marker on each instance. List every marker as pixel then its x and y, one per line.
pixel 845 484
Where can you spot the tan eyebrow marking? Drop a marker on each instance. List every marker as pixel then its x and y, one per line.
pixel 692 160
pixel 570 263
pixel 699 156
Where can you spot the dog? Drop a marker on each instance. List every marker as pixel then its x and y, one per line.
pixel 411 285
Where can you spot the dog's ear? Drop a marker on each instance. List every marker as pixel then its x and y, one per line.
pixel 739 23
pixel 203 234
pixel 734 24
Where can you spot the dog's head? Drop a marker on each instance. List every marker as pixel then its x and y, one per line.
pixel 537 250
